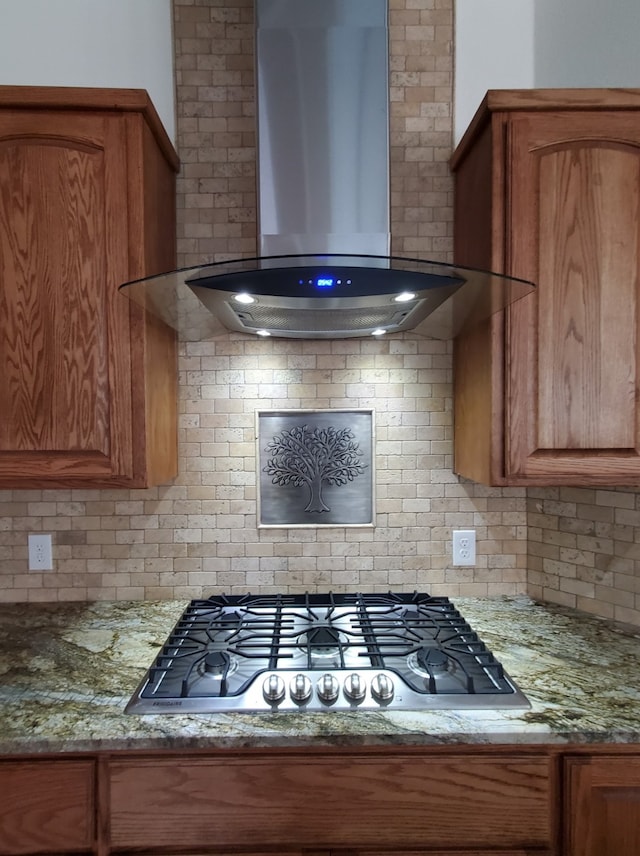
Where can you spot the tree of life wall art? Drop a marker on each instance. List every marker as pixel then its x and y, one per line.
pixel 315 468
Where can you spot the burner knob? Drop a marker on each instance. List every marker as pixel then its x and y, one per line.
pixel 273 689
pixel 355 688
pixel 328 688
pixel 300 688
pixel 382 688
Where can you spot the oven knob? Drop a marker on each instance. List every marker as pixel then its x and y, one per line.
pixel 328 688
pixel 382 688
pixel 355 688
pixel 300 688
pixel 273 689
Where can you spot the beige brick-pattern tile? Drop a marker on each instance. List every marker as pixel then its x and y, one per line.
pixel 216 130
pixel 200 534
pixel 421 86
pixel 583 550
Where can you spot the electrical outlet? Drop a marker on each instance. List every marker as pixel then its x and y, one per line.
pixel 464 546
pixel 40 553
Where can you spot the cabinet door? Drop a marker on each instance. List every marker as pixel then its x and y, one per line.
pixel 65 389
pixel 573 347
pixel 46 807
pixel 603 806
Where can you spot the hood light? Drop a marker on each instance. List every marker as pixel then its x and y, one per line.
pixel 405 296
pixel 263 333
pixel 379 331
pixel 245 298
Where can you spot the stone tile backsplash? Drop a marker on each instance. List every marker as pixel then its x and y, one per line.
pixel 200 534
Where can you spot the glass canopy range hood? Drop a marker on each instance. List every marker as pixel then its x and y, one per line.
pixel 325 270
pixel 329 296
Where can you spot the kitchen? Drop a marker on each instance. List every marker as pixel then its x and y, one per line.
pixel 186 538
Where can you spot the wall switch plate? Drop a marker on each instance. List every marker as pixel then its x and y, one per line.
pixel 40 553
pixel 464 546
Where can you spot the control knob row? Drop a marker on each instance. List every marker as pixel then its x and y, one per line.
pixel 328 688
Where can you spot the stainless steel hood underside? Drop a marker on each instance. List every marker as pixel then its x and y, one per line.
pixel 324 269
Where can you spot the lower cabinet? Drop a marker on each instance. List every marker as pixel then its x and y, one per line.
pixel 602 804
pixel 454 801
pixel 47 807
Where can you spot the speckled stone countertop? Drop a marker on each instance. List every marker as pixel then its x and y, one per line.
pixel 67 671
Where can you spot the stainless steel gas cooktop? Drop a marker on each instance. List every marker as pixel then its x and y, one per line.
pixel 323 652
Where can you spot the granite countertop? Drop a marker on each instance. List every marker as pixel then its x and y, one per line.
pixel 68 670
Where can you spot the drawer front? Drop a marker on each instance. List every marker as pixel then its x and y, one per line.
pixel 364 802
pixel 46 806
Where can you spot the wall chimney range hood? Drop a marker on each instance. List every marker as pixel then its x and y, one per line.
pixel 324 269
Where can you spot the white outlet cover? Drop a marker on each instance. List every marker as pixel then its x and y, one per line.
pixel 464 546
pixel 40 553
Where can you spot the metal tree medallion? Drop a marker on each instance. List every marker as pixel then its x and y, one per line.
pixel 315 468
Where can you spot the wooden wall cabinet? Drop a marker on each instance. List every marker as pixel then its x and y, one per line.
pixel 88 388
pixel 547 188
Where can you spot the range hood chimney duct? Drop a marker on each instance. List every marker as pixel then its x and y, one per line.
pixel 324 269
pixel 323 126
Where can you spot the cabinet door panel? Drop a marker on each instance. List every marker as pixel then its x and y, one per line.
pixel 586 374
pixel 51 188
pixel 572 377
pixel 603 806
pixel 46 807
pixel 63 239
